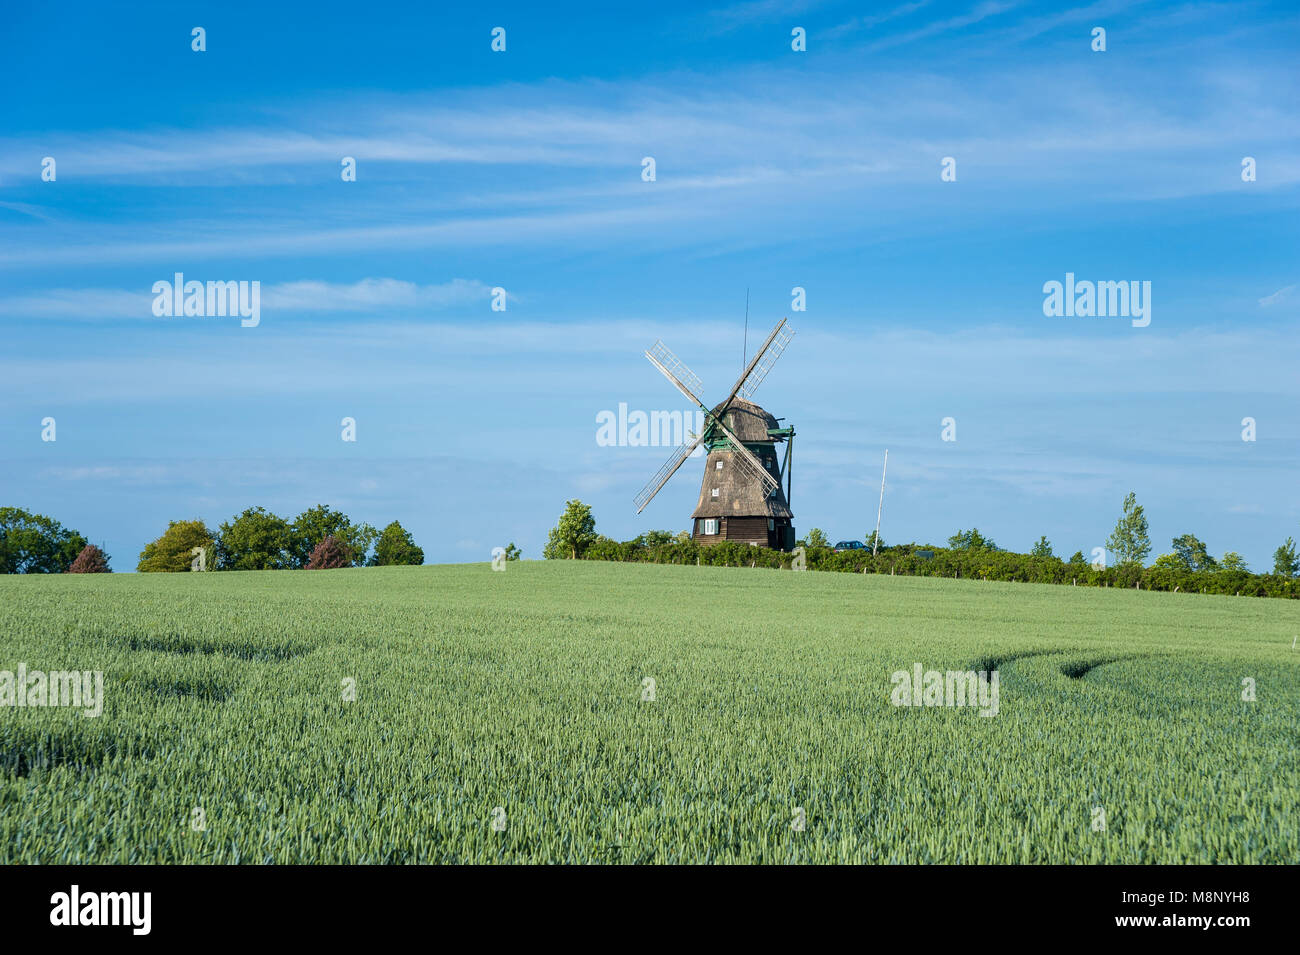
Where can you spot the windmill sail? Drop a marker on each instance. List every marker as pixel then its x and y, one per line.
pixel 675 370
pixel 766 358
pixel 760 364
pixel 664 473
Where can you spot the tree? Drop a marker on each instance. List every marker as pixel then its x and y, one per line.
pixel 254 540
pixel 173 552
pixel 1078 559
pixel 1286 563
pixel 1043 548
pixel 1129 541
pixel 575 532
pixel 317 523
pixel 513 552
pixel 329 554
pixel 396 546
pixel 817 538
pixel 970 540
pixel 871 543
pixel 36 544
pixel 91 560
pixel 1233 561
pixel 1192 553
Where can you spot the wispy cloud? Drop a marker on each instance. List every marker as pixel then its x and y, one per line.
pixel 990 8
pixel 858 24
pixel 1280 295
pixel 374 295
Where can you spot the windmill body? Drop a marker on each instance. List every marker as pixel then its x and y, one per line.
pixel 741 499
pixel 733 505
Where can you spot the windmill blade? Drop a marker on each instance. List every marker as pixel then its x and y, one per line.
pixel 766 358
pixel 675 370
pixel 745 458
pixel 664 473
pixel 760 365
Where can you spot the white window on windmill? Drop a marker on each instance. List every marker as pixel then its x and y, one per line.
pixel 719 465
pixel 711 525
pixel 767 463
pixel 715 492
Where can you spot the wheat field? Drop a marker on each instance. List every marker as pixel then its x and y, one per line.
pixel 632 713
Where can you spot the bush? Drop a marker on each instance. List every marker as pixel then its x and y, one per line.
pixel 964 564
pixel 91 560
pixel 329 554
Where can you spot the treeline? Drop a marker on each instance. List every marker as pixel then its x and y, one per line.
pixel 256 539
pixel 970 555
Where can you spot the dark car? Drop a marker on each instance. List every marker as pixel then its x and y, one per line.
pixel 849 545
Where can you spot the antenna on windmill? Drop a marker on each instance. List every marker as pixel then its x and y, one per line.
pixel 875 543
pixel 744 352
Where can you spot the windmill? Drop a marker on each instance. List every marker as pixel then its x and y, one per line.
pixel 740 497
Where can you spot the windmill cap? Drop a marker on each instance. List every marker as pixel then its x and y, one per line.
pixel 748 421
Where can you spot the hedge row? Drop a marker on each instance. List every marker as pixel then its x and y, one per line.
pixel 976 564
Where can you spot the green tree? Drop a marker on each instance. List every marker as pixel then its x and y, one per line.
pixel 1043 548
pixel 970 540
pixel 173 552
pixel 816 538
pixel 36 544
pixel 254 540
pixel 396 546
pixel 575 532
pixel 1130 542
pixel 1078 559
pixel 871 544
pixel 1286 562
pixel 317 523
pixel 513 552
pixel 1192 554
pixel 1233 561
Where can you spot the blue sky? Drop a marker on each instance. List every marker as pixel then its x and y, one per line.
pixel 774 169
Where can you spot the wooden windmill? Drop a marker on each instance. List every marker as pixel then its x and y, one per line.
pixel 740 497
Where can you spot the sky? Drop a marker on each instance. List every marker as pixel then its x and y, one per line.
pixel 775 169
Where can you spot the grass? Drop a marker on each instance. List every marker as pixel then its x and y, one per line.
pixel 523 690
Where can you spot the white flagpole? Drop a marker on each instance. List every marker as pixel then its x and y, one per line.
pixel 875 544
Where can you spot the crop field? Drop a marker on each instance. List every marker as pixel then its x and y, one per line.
pixel 507 717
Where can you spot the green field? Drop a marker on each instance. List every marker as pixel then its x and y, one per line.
pixel 523 690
